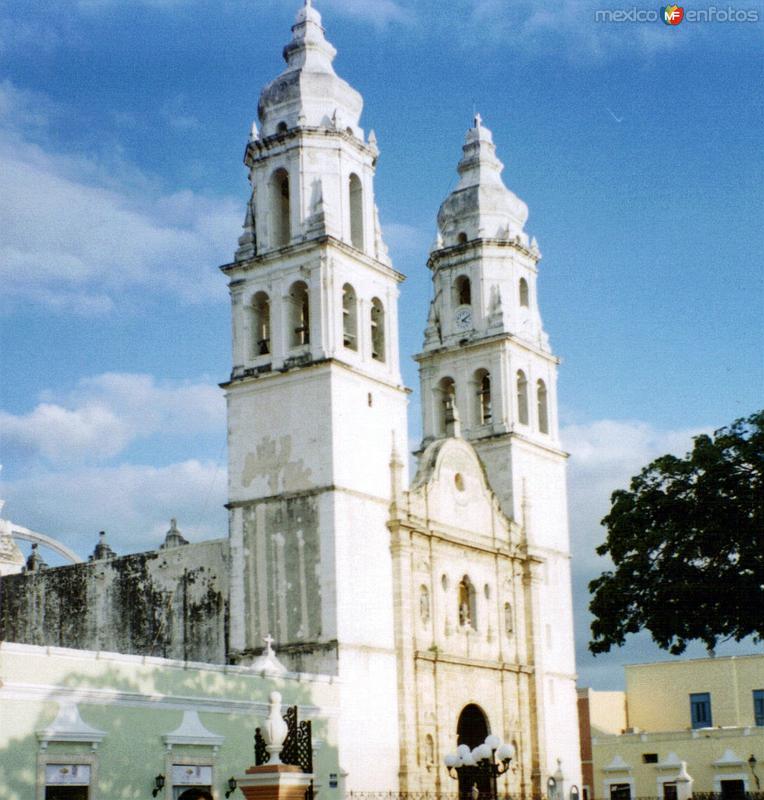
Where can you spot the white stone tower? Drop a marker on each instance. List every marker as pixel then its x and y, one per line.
pixel 488 374
pixel 315 402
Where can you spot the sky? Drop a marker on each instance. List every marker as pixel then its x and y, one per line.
pixel 637 146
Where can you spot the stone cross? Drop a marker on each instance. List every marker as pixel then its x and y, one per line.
pixel 268 645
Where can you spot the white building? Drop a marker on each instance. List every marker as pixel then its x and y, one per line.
pixel 441 607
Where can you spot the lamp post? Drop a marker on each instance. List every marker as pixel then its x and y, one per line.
pixel 752 764
pixel 490 759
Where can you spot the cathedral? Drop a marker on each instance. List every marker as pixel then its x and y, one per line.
pixel 436 606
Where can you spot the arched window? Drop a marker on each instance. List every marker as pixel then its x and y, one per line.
pixel 543 411
pixel 377 330
pixel 524 298
pixel 509 625
pixel 522 398
pixel 461 238
pixel 349 317
pixel 462 291
pixel 261 325
pixel 483 405
pixel 447 406
pixel 299 315
pixel 280 218
pixel 356 212
pixel 282 127
pixel 467 604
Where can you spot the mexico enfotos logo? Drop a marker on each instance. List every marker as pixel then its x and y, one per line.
pixel 672 14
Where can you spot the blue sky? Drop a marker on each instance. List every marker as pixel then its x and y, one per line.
pixel 638 148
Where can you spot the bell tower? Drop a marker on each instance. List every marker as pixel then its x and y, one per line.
pixel 488 374
pixel 315 400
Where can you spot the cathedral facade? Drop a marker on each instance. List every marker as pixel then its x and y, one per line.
pixel 440 604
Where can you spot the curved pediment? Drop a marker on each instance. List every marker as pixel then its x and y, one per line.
pixel 452 491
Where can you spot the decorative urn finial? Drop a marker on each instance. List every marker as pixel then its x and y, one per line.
pixel 275 729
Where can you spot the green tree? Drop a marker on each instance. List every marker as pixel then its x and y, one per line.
pixel 687 543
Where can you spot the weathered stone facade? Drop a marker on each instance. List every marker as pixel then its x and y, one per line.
pixel 169 603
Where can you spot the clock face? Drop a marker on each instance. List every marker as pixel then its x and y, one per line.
pixel 463 318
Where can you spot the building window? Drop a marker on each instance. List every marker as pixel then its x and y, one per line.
pixel 522 398
pixel 758 707
pixel 462 238
pixel 280 214
pixel 356 212
pixel 620 791
pixel 524 299
pixel 299 322
pixel 261 325
pixel 700 710
pixel 349 317
pixel 377 330
pixel 467 604
pixel 649 758
pixel 462 291
pixel 543 410
pixel 483 384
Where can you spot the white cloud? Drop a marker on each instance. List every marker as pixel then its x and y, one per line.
pixel 377 12
pixel 76 235
pixel 104 414
pixel 133 503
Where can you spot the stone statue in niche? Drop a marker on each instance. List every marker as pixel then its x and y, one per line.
pixel 424 604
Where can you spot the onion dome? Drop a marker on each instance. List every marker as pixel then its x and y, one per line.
pixel 309 92
pixel 481 206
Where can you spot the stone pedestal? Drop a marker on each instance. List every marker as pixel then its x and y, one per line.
pixel 275 782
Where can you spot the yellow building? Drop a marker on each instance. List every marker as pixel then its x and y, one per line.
pixel 690 724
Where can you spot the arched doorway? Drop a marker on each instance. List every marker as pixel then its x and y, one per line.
pixel 195 794
pixel 472 730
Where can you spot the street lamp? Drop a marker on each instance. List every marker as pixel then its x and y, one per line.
pixel 490 759
pixel 752 764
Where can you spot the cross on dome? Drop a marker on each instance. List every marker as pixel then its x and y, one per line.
pixel 478 120
pixel 269 639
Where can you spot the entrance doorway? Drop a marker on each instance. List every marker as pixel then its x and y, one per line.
pixel 194 793
pixel 472 729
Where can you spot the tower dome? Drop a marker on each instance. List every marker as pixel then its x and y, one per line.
pixel 309 91
pixel 481 206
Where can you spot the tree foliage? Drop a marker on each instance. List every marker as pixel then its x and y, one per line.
pixel 687 543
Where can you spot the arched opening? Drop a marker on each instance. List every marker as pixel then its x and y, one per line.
pixel 543 411
pixel 446 406
pixel 522 398
pixel 472 730
pixel 462 291
pixel 299 315
pixel 461 238
pixel 349 317
pixel 282 127
pixel 356 212
pixel 524 298
pixel 282 234
pixel 196 793
pixel 377 330
pixel 467 604
pixel 483 411
pixel 261 325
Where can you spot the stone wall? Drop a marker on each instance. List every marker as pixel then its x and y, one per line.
pixel 170 603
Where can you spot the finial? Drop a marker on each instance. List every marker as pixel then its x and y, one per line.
pixel 253 133
pixel 308 3
pixel 478 120
pixel 268 645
